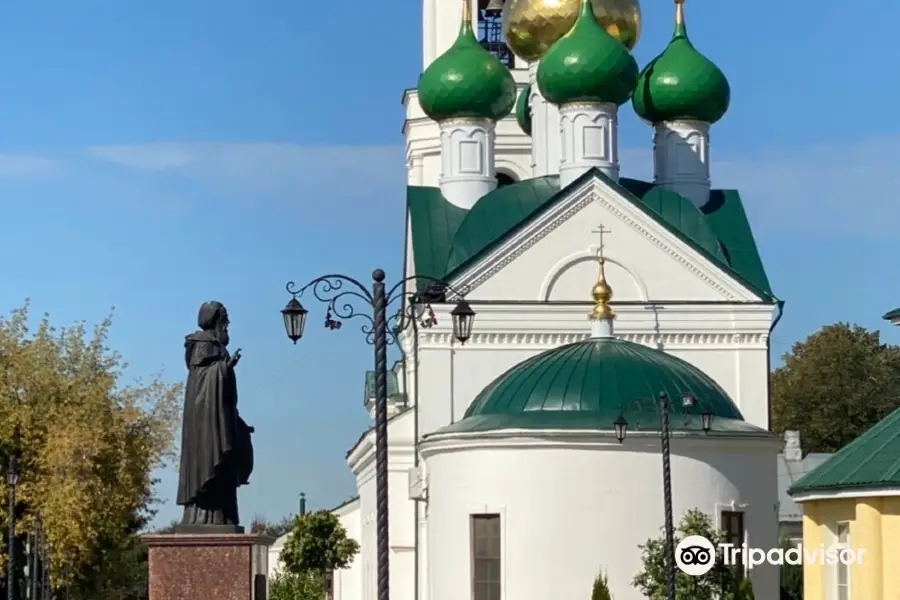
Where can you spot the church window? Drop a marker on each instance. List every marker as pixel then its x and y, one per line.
pixel 504 179
pixel 485 557
pixel 733 527
pixel 842 581
pixel 490 31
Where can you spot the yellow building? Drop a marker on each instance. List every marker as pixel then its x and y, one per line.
pixel 851 502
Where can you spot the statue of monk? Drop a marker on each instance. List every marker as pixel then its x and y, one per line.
pixel 216 450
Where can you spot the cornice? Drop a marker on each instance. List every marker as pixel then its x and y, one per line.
pixel 595 190
pixel 439 339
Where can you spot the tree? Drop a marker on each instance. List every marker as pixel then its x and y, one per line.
pixel 651 580
pixel 289 586
pixel 834 385
pixel 791 576
pixel 86 444
pixel 317 544
pixel 601 588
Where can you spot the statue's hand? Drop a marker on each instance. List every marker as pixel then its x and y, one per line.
pixel 235 358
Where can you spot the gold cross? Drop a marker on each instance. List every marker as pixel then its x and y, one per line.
pixel 601 230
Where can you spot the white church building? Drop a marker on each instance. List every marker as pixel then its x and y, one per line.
pixel 507 480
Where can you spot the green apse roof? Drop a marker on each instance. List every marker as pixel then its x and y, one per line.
pixel 870 461
pixel 587 65
pixel 523 110
pixel 447 239
pixel 589 384
pixel 466 81
pixel 681 84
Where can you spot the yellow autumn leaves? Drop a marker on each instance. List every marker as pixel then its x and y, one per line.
pixel 86 440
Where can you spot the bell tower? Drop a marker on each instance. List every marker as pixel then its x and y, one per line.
pixel 440 26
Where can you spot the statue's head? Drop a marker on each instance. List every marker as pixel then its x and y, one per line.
pixel 214 317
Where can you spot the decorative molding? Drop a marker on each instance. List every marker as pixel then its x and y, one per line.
pixel 551 340
pixel 597 191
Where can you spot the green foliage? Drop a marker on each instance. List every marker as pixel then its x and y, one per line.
pixel 601 588
pixel 834 385
pixel 651 580
pixel 745 591
pixel 290 586
pixel 317 543
pixel 88 443
pixel 791 577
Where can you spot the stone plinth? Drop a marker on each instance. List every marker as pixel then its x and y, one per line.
pixel 190 566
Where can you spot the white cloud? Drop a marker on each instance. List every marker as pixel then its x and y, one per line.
pixel 356 171
pixel 17 165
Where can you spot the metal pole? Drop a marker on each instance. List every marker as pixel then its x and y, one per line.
pixel 667 494
pixel 302 504
pixel 381 442
pixel 11 559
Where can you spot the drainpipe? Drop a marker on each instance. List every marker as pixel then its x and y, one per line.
pixel 780 305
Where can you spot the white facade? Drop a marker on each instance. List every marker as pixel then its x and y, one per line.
pixel 584 504
pixel 571 502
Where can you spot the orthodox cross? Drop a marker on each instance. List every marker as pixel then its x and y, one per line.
pixel 601 230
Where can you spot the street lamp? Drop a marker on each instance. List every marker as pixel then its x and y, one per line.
pixel 688 404
pixel 380 332
pixel 12 479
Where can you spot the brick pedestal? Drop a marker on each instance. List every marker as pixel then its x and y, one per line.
pixel 193 566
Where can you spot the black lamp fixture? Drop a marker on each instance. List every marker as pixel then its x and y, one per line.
pixel 463 318
pixel 621 428
pixel 294 319
pixel 12 472
pixel 706 418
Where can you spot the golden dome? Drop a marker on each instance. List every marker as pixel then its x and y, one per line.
pixel 531 26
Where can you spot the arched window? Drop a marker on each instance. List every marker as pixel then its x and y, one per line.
pixel 504 179
pixel 490 31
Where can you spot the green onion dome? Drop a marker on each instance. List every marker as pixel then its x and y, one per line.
pixel 587 65
pixel 523 109
pixel 466 81
pixel 681 83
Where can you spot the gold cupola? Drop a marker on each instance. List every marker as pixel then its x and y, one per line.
pixel 532 26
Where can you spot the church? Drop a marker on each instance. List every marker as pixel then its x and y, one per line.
pixel 594 295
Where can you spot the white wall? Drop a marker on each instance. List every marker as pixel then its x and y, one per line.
pixel 348 582
pixel 569 509
pixel 512 148
pixel 726 342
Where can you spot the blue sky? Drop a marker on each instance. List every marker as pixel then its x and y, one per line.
pixel 153 157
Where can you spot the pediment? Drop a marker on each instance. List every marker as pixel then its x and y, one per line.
pixel 553 256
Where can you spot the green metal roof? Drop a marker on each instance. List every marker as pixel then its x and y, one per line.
pixel 588 385
pixel 393 388
pixel 447 239
pixel 870 461
pixel 892 315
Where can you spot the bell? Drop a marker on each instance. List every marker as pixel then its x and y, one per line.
pixel 494 7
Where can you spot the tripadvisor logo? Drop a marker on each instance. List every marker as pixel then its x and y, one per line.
pixel 695 555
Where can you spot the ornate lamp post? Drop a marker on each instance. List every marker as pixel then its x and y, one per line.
pixel 379 332
pixel 688 404
pixel 12 480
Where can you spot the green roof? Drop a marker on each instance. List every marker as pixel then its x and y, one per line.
pixel 447 239
pixel 588 385
pixel 892 315
pixel 523 110
pixel 870 461
pixel 393 388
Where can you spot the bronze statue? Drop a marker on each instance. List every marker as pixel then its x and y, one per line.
pixel 216 449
